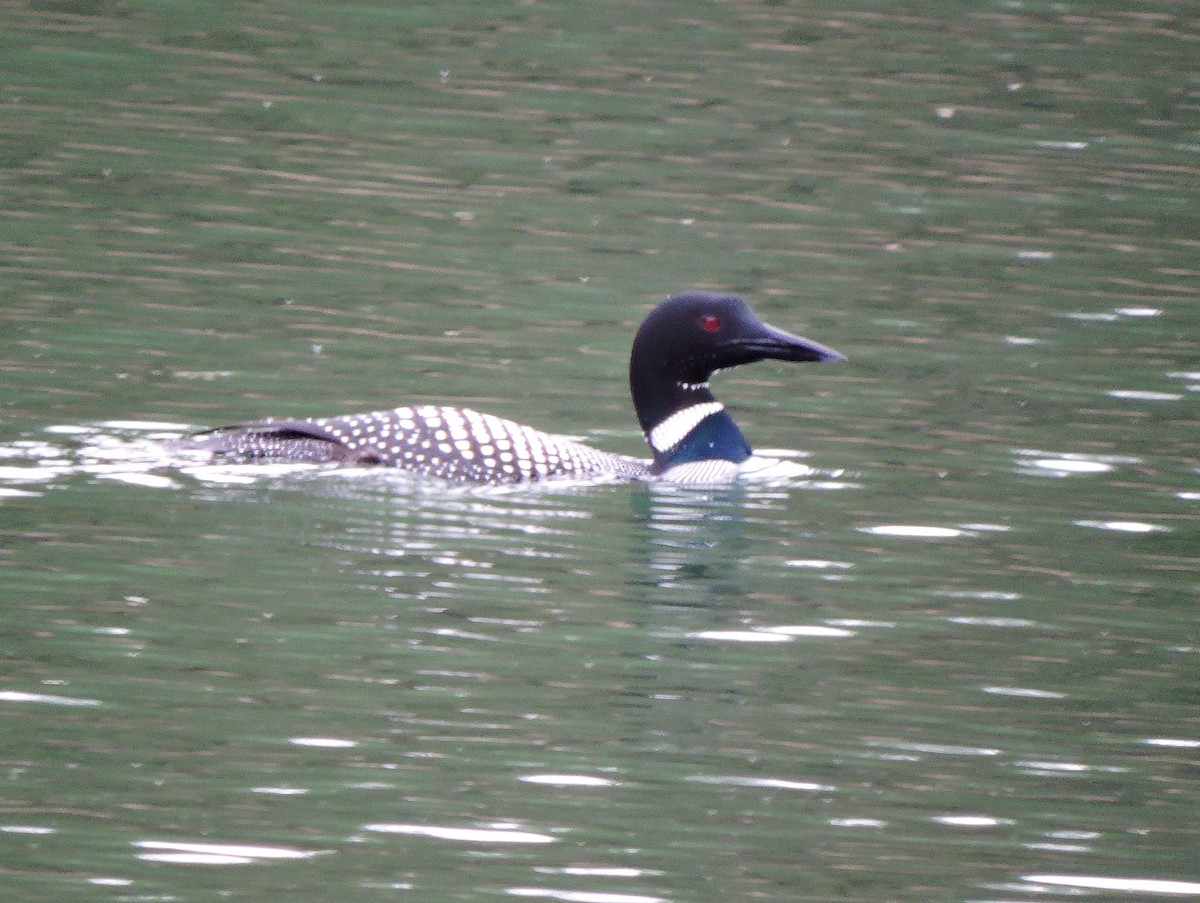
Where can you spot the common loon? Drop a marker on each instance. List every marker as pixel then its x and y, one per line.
pixel 684 340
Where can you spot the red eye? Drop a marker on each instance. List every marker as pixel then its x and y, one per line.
pixel 710 322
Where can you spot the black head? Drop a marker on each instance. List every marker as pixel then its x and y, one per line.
pixel 690 336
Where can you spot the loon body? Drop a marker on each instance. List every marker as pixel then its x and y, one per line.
pixel 684 340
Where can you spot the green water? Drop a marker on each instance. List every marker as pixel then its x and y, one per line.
pixel 958 661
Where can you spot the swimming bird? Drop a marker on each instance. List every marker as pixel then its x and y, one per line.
pixel 679 346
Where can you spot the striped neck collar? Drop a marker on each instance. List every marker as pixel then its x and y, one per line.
pixel 672 431
pixel 698 432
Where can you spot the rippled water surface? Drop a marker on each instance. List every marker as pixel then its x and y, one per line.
pixel 951 654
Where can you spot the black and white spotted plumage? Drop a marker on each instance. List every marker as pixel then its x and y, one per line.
pixel 683 341
pixel 451 443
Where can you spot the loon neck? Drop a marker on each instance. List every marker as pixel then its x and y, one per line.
pixel 701 432
pixel 684 422
pixel 657 397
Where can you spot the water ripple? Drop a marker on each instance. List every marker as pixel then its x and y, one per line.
pixel 582 896
pixel 215 853
pixel 47 698
pixel 1130 885
pixel 502 834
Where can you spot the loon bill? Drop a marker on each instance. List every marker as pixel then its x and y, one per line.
pixel 683 341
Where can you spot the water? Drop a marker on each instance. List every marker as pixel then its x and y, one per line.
pixel 952 657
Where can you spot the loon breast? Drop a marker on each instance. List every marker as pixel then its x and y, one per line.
pixel 451 443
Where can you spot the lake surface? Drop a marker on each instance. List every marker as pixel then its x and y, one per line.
pixel 954 656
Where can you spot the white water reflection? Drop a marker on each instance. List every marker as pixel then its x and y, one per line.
pixel 988 594
pixel 858 822
pixel 47 698
pixel 600 871
pixel 1042 462
pixel 215 853
pixel 1056 847
pixel 972 821
pixel 40 474
pixel 1143 395
pixel 581 896
pixel 1025 692
pixel 1129 885
pixel 768 783
pixel 1066 768
pixel 149 480
pixel 1115 314
pixel 810 630
pixel 323 742
pixel 170 428
pixel 1057 840
pixel 568 780
pixel 939 749
pixel 1172 741
pixel 992 622
pixel 1122 526
pixel 741 636
pixel 1071 465
pixel 818 564
pixel 500 834
pixel 773 634
pixel 917 531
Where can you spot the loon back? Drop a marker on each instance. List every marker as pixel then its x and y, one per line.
pixel 451 443
pixel 682 342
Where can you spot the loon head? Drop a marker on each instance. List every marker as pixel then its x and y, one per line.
pixel 685 340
